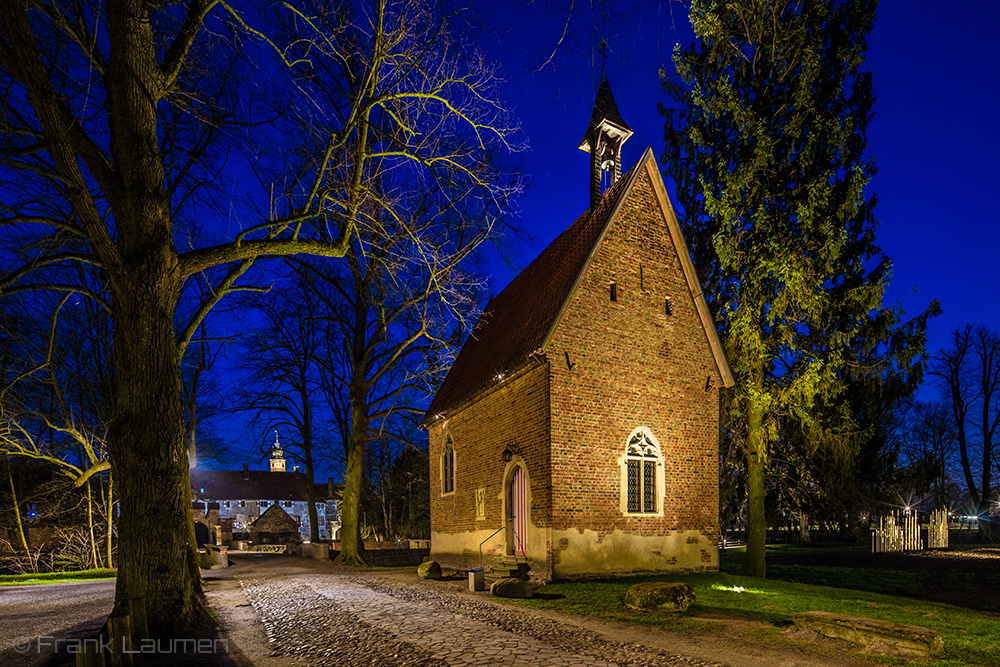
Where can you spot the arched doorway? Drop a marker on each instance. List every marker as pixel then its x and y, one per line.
pixel 201 534
pixel 517 512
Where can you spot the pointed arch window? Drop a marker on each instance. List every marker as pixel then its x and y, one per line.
pixel 642 474
pixel 448 467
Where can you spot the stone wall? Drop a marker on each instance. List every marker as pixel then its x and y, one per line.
pixel 391 557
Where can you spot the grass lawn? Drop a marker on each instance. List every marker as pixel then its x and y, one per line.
pixel 56 577
pixel 970 637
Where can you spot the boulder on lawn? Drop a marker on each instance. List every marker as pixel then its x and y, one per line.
pixel 659 596
pixel 510 587
pixel 430 570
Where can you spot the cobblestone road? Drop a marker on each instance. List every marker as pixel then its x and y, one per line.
pixel 316 616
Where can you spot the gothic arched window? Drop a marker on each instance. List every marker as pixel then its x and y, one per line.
pixel 642 476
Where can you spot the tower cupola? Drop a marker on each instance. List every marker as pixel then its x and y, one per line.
pixel 604 138
pixel 277 456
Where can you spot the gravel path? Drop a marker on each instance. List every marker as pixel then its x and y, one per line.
pixel 316 614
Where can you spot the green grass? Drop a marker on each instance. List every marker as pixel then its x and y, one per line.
pixel 56 577
pixel 970 637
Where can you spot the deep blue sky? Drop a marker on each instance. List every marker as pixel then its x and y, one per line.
pixel 933 138
pixel 937 81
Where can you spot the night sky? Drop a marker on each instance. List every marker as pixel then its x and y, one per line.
pixel 937 82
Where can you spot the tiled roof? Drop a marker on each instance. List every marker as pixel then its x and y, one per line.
pixel 517 321
pixel 258 485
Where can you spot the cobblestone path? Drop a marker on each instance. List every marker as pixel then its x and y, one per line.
pixel 316 617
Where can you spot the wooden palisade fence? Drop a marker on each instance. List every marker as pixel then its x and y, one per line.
pixel 901 532
pixel 897 533
pixel 937 530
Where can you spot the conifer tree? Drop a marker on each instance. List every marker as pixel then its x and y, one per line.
pixel 767 156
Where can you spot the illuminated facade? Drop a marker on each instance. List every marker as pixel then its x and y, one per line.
pixel 577 431
pixel 229 502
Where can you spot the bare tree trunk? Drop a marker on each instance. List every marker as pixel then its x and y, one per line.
pixel 753 562
pixel 111 506
pixel 351 544
pixel 90 526
pixel 804 527
pixel 156 543
pixel 19 522
pixel 307 459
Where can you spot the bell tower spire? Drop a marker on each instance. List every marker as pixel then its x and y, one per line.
pixel 604 138
pixel 277 456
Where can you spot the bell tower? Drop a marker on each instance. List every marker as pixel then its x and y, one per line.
pixel 604 138
pixel 277 456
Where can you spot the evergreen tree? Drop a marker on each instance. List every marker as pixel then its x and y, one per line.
pixel 767 156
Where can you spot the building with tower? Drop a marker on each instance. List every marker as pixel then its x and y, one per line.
pixel 577 432
pixel 238 505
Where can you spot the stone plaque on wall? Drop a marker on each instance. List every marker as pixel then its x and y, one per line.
pixel 480 503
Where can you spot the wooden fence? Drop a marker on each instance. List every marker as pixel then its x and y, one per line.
pixel 897 532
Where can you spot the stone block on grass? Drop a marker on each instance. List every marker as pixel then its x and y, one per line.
pixel 429 570
pixel 659 596
pixel 911 640
pixel 509 587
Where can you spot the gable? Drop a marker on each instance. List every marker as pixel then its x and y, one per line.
pixel 520 320
pixel 275 520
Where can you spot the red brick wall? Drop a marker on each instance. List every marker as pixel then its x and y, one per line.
pixel 514 413
pixel 635 366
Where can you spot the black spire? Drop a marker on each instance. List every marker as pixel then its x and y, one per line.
pixel 604 138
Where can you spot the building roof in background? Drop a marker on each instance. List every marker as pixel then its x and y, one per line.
pixel 254 485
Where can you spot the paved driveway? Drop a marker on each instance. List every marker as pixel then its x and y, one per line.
pixel 33 619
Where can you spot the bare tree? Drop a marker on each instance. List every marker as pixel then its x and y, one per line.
pixel 114 114
pixel 54 414
pixel 284 387
pixel 930 438
pixel 968 376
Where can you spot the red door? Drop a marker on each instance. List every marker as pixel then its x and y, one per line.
pixel 518 511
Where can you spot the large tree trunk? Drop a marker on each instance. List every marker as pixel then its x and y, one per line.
pixel 804 527
pixel 753 562
pixel 351 545
pixel 156 543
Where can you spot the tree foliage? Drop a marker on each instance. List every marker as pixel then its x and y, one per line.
pixel 767 156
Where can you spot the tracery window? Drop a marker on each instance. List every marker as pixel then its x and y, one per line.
pixel 642 477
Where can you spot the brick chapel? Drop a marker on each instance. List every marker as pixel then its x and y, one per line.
pixel 577 431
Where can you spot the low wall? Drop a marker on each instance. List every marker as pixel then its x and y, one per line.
pixel 391 557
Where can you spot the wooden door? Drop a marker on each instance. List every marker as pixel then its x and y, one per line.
pixel 518 504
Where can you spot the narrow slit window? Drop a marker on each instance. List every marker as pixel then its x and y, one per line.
pixel 613 292
pixel 641 282
pixel 448 467
pixel 668 308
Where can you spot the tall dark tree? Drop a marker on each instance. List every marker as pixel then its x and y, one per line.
pixel 767 156
pixel 968 375
pixel 114 115
pixel 284 386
